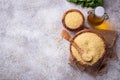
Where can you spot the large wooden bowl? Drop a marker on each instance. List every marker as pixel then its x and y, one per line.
pixel 92 44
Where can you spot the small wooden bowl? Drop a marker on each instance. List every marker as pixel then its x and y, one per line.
pixel 81 23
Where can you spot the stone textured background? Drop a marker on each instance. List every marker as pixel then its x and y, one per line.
pixel 31 47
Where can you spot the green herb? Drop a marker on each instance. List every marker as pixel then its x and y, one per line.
pixel 88 3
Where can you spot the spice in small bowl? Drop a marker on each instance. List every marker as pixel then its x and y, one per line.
pixel 73 20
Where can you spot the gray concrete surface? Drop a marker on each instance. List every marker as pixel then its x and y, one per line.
pixel 30 43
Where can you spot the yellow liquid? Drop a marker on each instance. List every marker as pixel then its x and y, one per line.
pixel 104 26
pixel 98 23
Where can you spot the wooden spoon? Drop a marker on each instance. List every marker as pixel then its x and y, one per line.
pixel 67 36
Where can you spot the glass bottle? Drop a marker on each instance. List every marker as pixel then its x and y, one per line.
pixel 98 17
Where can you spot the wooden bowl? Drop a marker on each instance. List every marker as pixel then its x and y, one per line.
pixel 73 20
pixel 91 41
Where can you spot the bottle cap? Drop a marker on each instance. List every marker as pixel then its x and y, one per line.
pixel 99 11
